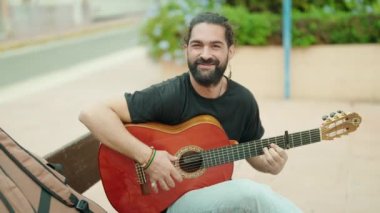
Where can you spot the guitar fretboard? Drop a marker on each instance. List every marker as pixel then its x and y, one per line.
pixel 228 154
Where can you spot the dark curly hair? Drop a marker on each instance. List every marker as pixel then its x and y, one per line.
pixel 212 18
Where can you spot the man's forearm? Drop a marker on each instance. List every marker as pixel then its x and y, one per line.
pixel 110 130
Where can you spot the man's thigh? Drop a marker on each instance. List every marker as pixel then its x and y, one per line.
pixel 238 195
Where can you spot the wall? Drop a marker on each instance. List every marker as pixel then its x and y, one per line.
pixel 329 72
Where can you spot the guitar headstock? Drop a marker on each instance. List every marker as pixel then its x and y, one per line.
pixel 338 124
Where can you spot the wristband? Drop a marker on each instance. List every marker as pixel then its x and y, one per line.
pixel 150 159
pixel 145 164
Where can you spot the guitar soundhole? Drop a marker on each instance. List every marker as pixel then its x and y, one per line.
pixel 190 161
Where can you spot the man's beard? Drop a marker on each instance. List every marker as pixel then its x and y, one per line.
pixel 212 77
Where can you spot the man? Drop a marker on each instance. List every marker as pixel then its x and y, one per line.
pixel 204 90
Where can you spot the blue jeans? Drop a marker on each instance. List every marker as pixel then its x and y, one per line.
pixel 239 195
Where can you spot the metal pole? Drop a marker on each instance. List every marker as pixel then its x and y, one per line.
pixel 287 43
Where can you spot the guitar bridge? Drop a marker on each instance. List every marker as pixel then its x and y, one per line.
pixel 141 179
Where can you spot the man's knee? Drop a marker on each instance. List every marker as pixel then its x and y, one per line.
pixel 240 195
pixel 250 193
pixel 259 198
pixel 250 189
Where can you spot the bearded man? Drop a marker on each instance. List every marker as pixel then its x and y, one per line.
pixel 204 90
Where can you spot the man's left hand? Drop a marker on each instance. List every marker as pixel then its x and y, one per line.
pixel 275 158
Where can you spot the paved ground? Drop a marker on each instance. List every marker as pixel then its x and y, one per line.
pixel 338 176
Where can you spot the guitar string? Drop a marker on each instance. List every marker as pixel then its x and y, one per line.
pixel 314 135
pixel 223 153
pixel 196 159
pixel 218 154
pixel 239 150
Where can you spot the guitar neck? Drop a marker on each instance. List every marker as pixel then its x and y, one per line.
pixel 228 154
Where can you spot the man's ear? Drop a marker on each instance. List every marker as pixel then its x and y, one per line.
pixel 231 51
pixel 184 49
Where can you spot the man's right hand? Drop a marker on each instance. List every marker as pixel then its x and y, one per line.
pixel 162 171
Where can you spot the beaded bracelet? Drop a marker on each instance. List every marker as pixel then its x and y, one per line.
pixel 150 159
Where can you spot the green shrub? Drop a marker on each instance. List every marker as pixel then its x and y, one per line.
pixel 275 6
pixel 250 29
pixel 166 26
pixel 164 29
pixel 337 28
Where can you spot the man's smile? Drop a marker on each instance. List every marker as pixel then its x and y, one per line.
pixel 205 66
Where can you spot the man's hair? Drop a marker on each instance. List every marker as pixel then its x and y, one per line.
pixel 211 18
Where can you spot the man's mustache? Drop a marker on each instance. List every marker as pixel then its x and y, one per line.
pixel 210 61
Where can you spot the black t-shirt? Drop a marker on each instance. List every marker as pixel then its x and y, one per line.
pixel 175 101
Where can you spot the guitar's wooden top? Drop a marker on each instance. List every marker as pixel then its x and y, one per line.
pixel 173 129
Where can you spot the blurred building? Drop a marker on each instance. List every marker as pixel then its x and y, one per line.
pixel 21 19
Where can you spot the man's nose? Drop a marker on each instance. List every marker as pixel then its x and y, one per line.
pixel 205 54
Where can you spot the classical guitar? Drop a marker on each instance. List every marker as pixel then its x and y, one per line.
pixel 205 155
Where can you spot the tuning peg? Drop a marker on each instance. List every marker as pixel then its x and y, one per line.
pixel 341 113
pixel 332 114
pixel 325 117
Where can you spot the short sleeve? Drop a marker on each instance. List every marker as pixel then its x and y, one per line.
pixel 253 128
pixel 159 103
pixel 144 106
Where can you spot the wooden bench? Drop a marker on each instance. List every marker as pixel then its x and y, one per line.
pixel 80 162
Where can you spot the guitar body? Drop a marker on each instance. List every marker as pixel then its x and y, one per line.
pixel 121 180
pixel 205 157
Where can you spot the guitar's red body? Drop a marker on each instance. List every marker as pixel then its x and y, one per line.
pixel 118 173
